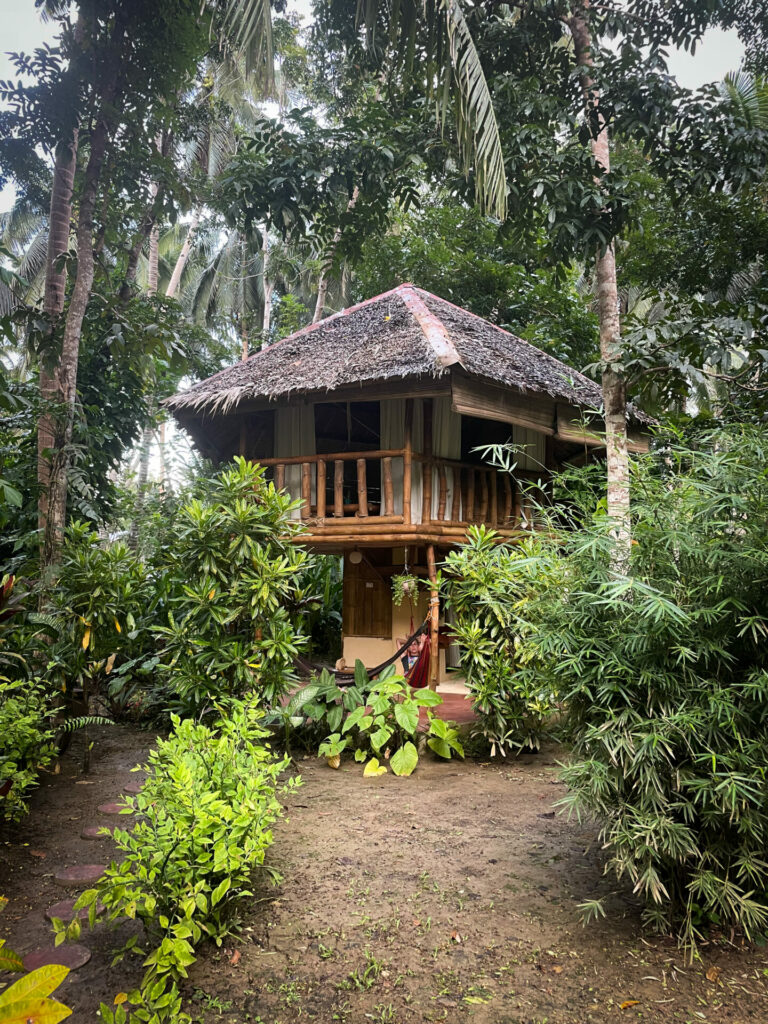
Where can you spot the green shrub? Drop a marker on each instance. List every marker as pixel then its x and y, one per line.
pixel 103 606
pixel 664 672
pixel 233 628
pixel 384 715
pixel 204 824
pixel 26 742
pixel 491 588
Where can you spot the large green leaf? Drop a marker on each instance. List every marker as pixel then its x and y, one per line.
pixel 407 717
pixel 404 760
pixel 427 698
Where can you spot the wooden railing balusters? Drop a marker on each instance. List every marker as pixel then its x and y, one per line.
pixel 469 512
pixel 388 486
pixel 280 476
pixel 483 495
pixel 362 489
pixel 443 477
pixel 306 490
pixel 494 498
pixel 321 489
pixel 456 500
pixel 338 489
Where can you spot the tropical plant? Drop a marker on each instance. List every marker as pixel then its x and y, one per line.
pixel 26 742
pixel 386 722
pixel 492 588
pixel 105 604
pixel 232 623
pixel 204 825
pixel 664 679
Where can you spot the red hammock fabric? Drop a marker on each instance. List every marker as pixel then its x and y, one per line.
pixel 418 677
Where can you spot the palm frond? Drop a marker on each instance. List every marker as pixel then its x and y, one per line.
pixel 246 27
pixel 750 93
pixel 451 60
pixel 477 128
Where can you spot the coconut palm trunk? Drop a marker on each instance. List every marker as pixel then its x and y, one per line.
pixel 53 302
pixel 613 383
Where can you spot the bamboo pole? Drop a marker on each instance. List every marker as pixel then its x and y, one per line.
pixel 469 511
pixel 338 489
pixel 407 459
pixel 280 476
pixel 443 477
pixel 494 499
pixel 434 621
pixel 483 496
pixel 389 490
pixel 362 489
pixel 507 498
pixel 321 489
pixel 456 502
pixel 426 492
pixel 295 460
pixel 306 490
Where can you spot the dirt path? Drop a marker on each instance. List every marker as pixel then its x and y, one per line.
pixel 450 896
pixel 49 839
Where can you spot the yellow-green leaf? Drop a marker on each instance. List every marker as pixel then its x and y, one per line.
pixel 374 769
pixel 35 985
pixel 33 1011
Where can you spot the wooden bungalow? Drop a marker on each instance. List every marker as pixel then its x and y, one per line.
pixel 373 417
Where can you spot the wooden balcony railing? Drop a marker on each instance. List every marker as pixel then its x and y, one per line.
pixel 382 486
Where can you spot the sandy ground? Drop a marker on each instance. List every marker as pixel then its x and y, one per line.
pixel 449 896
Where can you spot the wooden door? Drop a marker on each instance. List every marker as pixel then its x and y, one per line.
pixel 367 602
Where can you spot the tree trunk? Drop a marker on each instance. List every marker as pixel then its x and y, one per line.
pixel 267 288
pixel 613 383
pixel 65 377
pixel 183 257
pixel 55 290
pixel 322 284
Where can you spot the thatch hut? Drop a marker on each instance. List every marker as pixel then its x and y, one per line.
pixel 375 418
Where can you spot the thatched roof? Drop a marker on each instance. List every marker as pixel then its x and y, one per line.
pixel 404 333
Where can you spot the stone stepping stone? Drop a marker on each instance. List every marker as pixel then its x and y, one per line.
pixel 65 910
pixel 134 788
pixel 113 808
pixel 71 956
pixel 94 832
pixel 79 874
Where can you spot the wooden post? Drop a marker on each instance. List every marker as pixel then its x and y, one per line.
pixel 456 503
pixel 362 489
pixel 407 459
pixel 306 489
pixel 426 492
pixel 338 489
pixel 469 512
pixel 243 437
pixel 434 617
pixel 280 476
pixel 483 496
pixel 494 499
pixel 443 492
pixel 426 467
pixel 388 487
pixel 507 499
pixel 321 489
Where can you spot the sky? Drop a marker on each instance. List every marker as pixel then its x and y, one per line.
pixel 23 30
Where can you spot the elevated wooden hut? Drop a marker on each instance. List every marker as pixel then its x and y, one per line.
pixel 373 418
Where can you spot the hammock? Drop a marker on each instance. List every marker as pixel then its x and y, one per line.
pixel 345 676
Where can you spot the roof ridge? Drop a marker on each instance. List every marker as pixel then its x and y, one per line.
pixel 516 337
pixel 432 327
